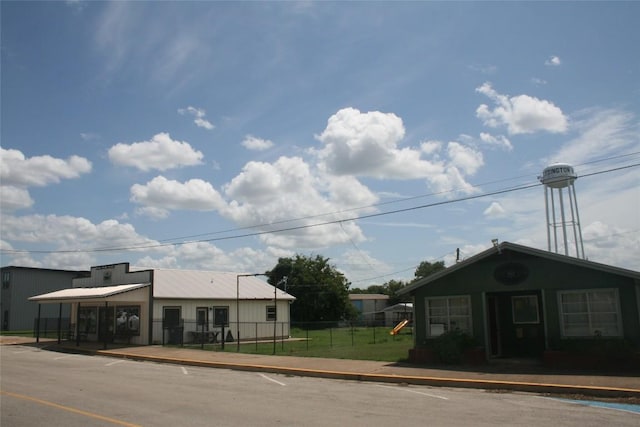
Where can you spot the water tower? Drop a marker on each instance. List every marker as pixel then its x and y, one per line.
pixel 558 180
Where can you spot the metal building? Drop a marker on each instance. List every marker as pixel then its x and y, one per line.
pixel 19 283
pixel 165 306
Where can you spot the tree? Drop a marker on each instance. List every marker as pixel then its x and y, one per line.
pixel 427 268
pixel 322 292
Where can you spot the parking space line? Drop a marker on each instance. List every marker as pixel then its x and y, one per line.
pixel 408 390
pixel 65 357
pixel 184 370
pixel 115 362
pixel 272 380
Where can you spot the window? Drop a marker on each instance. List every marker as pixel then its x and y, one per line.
pixel 588 313
pixel 272 313
pixel 128 320
pixel 87 320
pixel 220 316
pixel 446 314
pixel 525 309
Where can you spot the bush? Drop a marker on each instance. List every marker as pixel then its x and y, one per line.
pixel 450 347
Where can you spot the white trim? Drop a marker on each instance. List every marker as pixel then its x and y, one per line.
pixel 441 328
pixel 531 297
pixel 594 331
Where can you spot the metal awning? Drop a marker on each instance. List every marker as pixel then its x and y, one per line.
pixel 75 294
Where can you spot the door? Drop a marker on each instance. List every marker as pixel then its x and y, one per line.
pixel 172 324
pixel 106 324
pixel 516 325
pixel 202 318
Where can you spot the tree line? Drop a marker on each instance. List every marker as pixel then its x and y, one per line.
pixel 322 292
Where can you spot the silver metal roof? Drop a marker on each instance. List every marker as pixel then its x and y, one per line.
pixel 353 297
pixel 87 293
pixel 191 284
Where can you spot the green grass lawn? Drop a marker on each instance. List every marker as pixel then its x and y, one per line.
pixel 359 343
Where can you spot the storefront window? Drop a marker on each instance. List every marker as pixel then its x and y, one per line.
pixel 128 320
pixel 87 320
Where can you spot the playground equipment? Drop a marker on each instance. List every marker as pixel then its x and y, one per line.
pixel 398 327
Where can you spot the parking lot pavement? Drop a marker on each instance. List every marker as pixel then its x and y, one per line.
pixel 531 379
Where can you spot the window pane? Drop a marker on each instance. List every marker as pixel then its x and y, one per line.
pixel 574 303
pixel 461 323
pixel 590 313
pixel 447 314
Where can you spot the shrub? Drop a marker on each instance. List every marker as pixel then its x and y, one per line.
pixel 450 347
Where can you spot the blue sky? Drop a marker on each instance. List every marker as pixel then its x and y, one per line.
pixel 179 134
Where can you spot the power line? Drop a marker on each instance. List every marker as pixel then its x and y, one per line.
pixel 375 205
pixel 305 226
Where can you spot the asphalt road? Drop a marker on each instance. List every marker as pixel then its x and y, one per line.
pixel 39 387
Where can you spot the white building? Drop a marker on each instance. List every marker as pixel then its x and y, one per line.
pixel 163 306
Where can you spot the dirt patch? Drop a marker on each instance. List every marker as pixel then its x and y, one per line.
pixel 11 340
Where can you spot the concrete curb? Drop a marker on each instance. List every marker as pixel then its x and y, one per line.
pixel 530 387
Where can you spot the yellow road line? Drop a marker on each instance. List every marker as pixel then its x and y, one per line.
pixel 69 409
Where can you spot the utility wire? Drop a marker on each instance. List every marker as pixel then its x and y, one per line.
pixel 305 226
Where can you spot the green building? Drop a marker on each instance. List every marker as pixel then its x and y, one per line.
pixel 520 302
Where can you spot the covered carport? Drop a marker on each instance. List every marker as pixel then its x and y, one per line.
pixel 103 314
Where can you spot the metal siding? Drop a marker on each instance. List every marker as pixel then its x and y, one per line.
pixel 118 275
pixel 27 282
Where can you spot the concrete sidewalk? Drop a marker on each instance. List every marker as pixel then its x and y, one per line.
pixel 499 377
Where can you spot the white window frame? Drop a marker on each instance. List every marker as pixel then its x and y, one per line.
pixel 437 329
pixel 272 313
pixel 522 302
pixel 595 330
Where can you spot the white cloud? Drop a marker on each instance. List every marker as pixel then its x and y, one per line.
pixel 89 136
pixel 16 169
pixel 250 142
pixel 199 115
pixel 359 265
pixel 521 114
pixel 495 210
pixel 553 61
pixel 464 158
pixel 152 212
pixel 367 144
pixel 430 147
pixel 270 193
pixel 17 173
pixel 162 194
pixel 601 133
pixel 169 58
pixel 161 153
pixel 363 143
pixel 500 141
pixel 14 198
pixel 70 233
pixel 207 256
